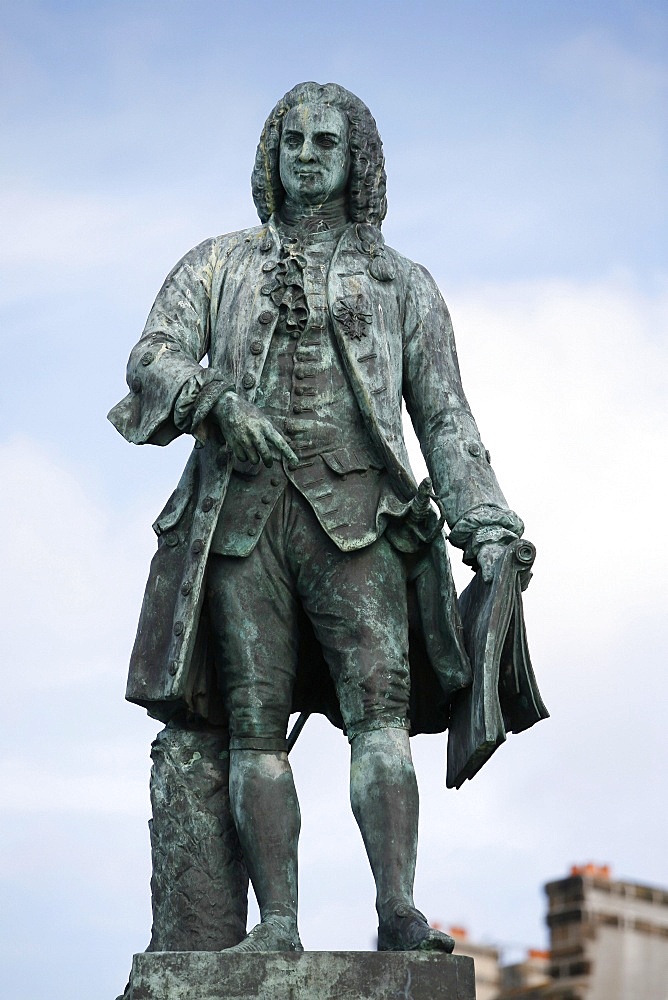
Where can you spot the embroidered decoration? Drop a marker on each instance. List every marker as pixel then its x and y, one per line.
pixel 372 246
pixel 351 312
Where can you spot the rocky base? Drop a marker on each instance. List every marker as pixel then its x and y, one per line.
pixel 315 975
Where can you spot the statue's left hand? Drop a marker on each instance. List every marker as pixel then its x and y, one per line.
pixel 489 556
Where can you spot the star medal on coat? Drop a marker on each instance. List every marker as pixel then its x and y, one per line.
pixel 352 313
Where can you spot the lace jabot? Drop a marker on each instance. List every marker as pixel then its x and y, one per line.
pixel 298 235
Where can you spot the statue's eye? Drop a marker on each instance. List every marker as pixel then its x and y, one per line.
pixel 292 141
pixel 326 141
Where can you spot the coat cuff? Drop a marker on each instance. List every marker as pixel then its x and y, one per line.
pixel 482 525
pixel 196 400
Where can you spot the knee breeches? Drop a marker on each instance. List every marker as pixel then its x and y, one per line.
pixel 356 603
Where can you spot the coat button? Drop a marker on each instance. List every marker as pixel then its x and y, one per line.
pixel 207 504
pixel 173 667
pixel 171 539
pixel 275 481
pixel 251 531
pixel 256 347
pixel 474 449
pixel 266 499
pixel 258 515
pixel 186 588
pixel 267 289
pixel 198 546
pixel 147 358
pixel 248 381
pixel 265 317
pixel 178 628
pixel 266 245
pixel 269 265
pixel 299 391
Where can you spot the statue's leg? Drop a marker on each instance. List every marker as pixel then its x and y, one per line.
pixel 199 886
pixel 384 798
pixel 356 602
pixel 252 609
pixel 266 812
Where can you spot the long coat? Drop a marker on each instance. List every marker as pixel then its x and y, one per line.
pixel 396 341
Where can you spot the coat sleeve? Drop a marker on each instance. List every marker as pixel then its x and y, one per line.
pixel 167 356
pixel 457 460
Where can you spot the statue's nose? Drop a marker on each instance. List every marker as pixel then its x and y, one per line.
pixel 307 154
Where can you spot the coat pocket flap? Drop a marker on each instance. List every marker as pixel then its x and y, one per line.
pixel 174 509
pixel 172 512
pixel 344 460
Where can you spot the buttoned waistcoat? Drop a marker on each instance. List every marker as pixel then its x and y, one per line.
pixel 396 341
pixel 306 393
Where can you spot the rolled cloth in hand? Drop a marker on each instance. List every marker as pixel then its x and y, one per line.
pixel 504 696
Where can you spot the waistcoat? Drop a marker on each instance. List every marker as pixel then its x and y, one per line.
pixel 305 392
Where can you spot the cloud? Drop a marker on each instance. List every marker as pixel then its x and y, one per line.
pixel 40 788
pixel 70 586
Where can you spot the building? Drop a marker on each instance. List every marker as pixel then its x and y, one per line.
pixel 608 938
pixel 527 978
pixel 486 958
pixel 608 941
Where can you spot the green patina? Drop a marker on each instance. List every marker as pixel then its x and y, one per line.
pixel 299 566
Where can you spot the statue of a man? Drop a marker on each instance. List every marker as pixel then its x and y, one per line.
pixel 297 567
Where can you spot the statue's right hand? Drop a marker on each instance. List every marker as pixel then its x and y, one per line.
pixel 251 436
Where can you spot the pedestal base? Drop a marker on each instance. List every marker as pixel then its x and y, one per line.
pixel 314 975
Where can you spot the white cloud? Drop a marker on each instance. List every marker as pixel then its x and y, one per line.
pixel 40 788
pixel 567 382
pixel 70 586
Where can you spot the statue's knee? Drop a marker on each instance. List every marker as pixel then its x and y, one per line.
pixel 379 732
pixel 381 753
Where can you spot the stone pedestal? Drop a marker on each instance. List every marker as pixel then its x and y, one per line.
pixel 315 975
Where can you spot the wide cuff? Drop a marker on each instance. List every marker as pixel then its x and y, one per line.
pixel 196 400
pixel 482 525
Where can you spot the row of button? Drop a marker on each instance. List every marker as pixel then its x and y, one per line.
pixel 249 380
pixel 260 515
pixel 198 546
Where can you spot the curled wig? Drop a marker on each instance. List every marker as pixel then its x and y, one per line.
pixel 366 186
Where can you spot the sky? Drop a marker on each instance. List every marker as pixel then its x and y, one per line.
pixel 526 153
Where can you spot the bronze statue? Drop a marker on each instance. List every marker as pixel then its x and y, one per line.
pixel 299 567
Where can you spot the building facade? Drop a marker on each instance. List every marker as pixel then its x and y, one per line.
pixel 608 941
pixel 608 938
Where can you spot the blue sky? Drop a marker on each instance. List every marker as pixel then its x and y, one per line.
pixel 527 159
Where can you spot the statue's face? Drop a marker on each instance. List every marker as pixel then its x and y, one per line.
pixel 314 156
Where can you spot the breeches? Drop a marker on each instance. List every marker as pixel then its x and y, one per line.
pixel 356 603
